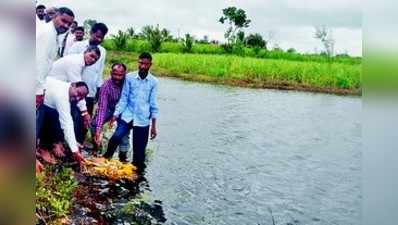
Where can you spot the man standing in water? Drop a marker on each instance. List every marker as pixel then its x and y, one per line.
pixel 136 109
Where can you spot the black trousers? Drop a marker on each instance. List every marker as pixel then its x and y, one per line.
pixel 140 141
pixel 90 105
pixel 48 127
pixel 78 123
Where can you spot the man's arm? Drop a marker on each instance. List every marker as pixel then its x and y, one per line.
pixel 102 108
pixel 100 79
pixel 66 121
pixel 153 109
pixel 43 59
pixel 122 104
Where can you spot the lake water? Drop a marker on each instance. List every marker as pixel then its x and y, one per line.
pixel 227 155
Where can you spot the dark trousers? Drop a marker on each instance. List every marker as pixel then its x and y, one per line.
pixel 140 141
pixel 48 127
pixel 90 105
pixel 78 123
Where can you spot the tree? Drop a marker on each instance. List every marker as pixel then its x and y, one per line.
pixel 256 41
pixel 240 36
pixel 87 24
pixel 236 19
pixel 188 43
pixel 326 37
pixel 166 35
pixel 120 40
pixel 146 31
pixel 154 37
pixel 130 31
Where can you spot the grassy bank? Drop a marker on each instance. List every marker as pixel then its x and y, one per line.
pixel 339 78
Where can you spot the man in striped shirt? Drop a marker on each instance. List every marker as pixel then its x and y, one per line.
pixel 108 98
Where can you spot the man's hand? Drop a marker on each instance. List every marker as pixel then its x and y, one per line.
pixel 86 120
pixel 97 138
pixel 112 121
pixel 39 167
pixel 78 157
pixel 153 132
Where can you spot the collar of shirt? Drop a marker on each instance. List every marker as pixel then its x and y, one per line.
pixel 139 78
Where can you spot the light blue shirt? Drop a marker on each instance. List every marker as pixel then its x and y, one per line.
pixel 138 100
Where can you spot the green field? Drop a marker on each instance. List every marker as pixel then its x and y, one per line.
pixel 138 45
pixel 340 78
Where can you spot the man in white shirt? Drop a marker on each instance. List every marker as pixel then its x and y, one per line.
pixel 47 46
pixel 92 75
pixel 67 39
pixel 55 123
pixel 69 69
pixel 40 12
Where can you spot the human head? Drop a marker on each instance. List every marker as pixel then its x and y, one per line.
pixel 91 55
pixel 77 91
pixel 63 20
pixel 40 11
pixel 118 73
pixel 97 33
pixel 79 33
pixel 50 13
pixel 73 26
pixel 144 64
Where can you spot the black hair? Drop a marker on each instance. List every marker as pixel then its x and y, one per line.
pixel 80 84
pixel 40 7
pixel 145 55
pixel 119 64
pixel 93 48
pixel 79 28
pixel 65 10
pixel 99 26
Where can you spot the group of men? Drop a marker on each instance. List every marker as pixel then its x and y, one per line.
pixel 69 84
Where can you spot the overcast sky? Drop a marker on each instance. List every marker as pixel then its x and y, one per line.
pixel 291 22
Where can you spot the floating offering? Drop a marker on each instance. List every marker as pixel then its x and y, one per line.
pixel 110 169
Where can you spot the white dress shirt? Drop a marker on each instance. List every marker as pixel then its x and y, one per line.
pixel 69 69
pixel 92 75
pixel 57 97
pixel 46 52
pixel 70 39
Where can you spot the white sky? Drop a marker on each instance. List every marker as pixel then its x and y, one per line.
pixel 291 21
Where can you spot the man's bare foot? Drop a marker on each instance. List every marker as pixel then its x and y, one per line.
pixel 59 150
pixel 47 157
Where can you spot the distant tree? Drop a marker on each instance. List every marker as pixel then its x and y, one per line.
pixel 120 40
pixel 291 50
pixel 87 24
pixel 240 36
pixel 166 35
pixel 236 19
pixel 256 41
pixel 153 35
pixel 216 42
pixel 204 40
pixel 146 31
pixel 326 37
pixel 188 43
pixel 130 31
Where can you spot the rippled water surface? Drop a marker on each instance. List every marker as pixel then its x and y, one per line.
pixel 242 156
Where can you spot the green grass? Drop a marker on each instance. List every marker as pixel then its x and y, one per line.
pixel 137 45
pixel 253 72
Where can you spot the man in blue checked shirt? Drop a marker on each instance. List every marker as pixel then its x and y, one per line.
pixel 136 109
